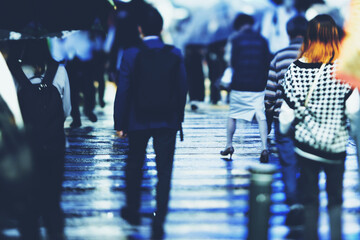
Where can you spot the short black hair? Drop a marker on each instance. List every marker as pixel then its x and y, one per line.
pixel 151 21
pixel 241 20
pixel 297 26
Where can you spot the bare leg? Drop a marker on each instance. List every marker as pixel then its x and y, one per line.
pixel 231 127
pixel 242 125
pixel 263 131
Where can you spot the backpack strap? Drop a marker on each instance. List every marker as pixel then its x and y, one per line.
pixel 18 73
pixel 22 80
pixel 50 73
pixel 313 85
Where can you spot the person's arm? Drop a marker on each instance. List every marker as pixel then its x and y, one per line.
pixel 271 87
pixel 286 118
pixel 61 82
pixel 122 98
pixel 183 86
pixel 352 106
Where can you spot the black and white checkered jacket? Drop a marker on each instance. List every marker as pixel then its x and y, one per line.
pixel 321 127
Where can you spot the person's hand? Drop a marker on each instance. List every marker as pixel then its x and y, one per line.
pixel 121 134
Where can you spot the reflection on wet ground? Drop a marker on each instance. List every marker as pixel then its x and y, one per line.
pixel 209 194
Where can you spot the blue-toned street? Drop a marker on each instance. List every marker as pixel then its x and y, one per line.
pixel 209 196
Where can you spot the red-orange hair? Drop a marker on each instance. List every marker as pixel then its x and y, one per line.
pixel 321 42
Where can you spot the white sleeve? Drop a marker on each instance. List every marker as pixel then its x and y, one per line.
pixel 352 105
pixel 286 118
pixel 61 82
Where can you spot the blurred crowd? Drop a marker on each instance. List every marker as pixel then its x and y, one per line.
pixel 244 55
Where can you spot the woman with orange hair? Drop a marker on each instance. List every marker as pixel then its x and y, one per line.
pixel 318 105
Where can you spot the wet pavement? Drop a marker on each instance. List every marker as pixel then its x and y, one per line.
pixel 209 196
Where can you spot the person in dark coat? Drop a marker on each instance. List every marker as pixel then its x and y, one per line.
pixel 163 129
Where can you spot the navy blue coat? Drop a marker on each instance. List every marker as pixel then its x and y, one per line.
pixel 250 60
pixel 125 117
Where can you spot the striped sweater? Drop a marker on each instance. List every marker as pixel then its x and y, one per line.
pixel 278 68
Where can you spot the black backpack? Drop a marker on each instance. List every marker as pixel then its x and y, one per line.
pixel 154 85
pixel 41 108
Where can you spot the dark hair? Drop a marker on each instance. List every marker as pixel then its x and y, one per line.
pixel 151 22
pixel 297 26
pixel 321 42
pixel 241 20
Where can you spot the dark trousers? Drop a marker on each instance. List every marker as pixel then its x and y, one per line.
pixel 98 68
pixel 81 80
pixel 194 72
pixel 164 146
pixel 289 165
pixel 45 198
pixel 217 65
pixel 309 190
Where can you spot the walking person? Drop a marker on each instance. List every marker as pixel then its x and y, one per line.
pixel 296 28
pixel 194 57
pixel 150 102
pixel 216 65
pixel 79 48
pixel 44 98
pixel 250 60
pixel 319 104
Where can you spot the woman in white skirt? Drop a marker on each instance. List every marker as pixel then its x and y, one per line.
pixel 249 60
pixel 244 106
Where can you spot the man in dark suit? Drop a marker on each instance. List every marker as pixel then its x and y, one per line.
pixel 139 128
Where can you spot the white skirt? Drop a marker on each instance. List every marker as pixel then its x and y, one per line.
pixel 244 105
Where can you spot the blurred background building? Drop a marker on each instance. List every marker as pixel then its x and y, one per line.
pixel 194 21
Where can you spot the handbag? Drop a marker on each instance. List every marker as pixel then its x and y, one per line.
pixel 226 78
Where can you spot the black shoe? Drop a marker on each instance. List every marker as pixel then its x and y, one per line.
pixel 194 107
pixel 264 157
pixel 75 123
pixel 91 116
pixel 227 151
pixel 102 103
pixel 131 217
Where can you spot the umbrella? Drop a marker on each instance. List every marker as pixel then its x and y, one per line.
pixel 48 17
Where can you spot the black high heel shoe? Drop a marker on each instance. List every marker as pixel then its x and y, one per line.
pixel 264 157
pixel 227 151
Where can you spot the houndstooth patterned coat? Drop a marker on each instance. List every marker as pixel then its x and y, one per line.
pixel 321 126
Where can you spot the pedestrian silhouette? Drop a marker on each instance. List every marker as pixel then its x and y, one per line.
pixel 150 102
pixel 44 98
